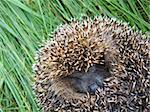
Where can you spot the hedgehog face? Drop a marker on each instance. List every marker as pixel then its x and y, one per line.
pixel 90 81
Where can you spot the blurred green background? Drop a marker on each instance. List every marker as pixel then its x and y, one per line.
pixel 25 24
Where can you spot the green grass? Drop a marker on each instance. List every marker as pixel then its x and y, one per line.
pixel 24 24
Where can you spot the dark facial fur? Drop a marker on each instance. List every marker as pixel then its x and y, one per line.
pixel 89 81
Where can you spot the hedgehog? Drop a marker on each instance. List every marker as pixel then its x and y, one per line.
pixel 94 65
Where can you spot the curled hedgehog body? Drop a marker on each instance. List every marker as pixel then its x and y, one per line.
pixel 98 65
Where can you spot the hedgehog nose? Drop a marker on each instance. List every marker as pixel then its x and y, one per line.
pixel 92 88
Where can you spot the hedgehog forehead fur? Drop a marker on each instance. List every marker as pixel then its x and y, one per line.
pixel 79 45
